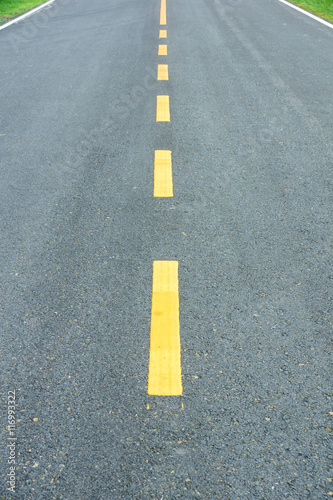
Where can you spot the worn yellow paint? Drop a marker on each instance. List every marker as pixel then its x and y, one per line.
pixel 162 72
pixel 164 377
pixel 162 50
pixel 163 33
pixel 163 187
pixel 162 108
pixel 163 13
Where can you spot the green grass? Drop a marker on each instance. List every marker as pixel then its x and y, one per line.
pixel 12 8
pixel 322 8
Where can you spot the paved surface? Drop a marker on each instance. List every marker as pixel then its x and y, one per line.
pixel 250 86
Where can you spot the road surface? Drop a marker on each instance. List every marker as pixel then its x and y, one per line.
pixel 249 224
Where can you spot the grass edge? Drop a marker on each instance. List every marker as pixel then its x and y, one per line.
pixel 7 19
pixel 318 13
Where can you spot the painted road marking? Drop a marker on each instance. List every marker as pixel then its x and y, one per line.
pixel 163 13
pixel 163 187
pixel 163 33
pixel 164 377
pixel 27 14
pixel 162 50
pixel 162 72
pixel 330 25
pixel 162 108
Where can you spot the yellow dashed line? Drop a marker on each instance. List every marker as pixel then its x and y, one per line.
pixel 163 33
pixel 164 361
pixel 162 50
pixel 162 108
pixel 162 72
pixel 163 187
pixel 163 13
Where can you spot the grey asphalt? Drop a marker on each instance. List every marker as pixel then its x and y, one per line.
pixel 250 224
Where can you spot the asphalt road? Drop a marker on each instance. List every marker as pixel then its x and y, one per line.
pixel 250 223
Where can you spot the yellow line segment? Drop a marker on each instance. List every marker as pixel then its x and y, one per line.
pixel 163 187
pixel 164 361
pixel 163 33
pixel 162 108
pixel 163 13
pixel 162 50
pixel 162 72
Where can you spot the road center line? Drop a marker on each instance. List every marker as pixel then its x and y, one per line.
pixel 162 108
pixel 162 50
pixel 163 13
pixel 164 377
pixel 162 72
pixel 163 187
pixel 163 34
